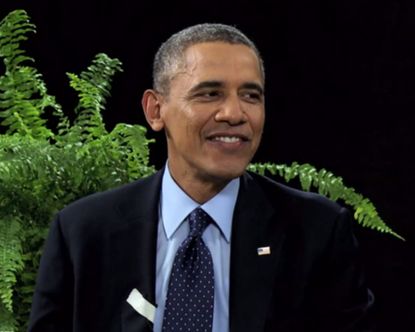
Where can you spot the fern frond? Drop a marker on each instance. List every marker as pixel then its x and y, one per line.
pixel 89 123
pixel 23 93
pixel 132 140
pixel 11 258
pixel 7 320
pixel 100 73
pixel 329 185
pixel 93 86
pixel 26 171
pixel 13 29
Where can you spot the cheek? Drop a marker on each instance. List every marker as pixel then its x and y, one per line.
pixel 177 121
pixel 195 120
pixel 257 122
pixel 184 129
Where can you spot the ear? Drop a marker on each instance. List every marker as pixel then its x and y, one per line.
pixel 151 103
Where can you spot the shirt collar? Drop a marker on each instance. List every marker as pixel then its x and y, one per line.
pixel 176 205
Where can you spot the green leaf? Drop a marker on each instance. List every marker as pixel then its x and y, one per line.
pixel 331 186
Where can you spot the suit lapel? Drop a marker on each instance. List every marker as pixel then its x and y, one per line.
pixel 135 245
pixel 256 224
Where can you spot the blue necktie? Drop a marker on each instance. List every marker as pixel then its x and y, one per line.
pixel 189 304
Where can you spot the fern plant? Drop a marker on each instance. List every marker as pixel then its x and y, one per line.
pixel 329 185
pixel 42 169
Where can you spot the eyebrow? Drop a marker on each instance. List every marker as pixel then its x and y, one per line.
pixel 219 84
pixel 253 86
pixel 206 84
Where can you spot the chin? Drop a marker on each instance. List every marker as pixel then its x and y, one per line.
pixel 226 173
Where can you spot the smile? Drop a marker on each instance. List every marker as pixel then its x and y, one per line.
pixel 227 139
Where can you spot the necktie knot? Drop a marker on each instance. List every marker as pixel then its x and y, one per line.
pixel 198 221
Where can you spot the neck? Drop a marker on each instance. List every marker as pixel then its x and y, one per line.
pixel 200 189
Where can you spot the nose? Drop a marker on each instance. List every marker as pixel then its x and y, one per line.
pixel 231 111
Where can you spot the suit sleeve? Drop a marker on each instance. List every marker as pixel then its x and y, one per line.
pixel 340 299
pixel 52 306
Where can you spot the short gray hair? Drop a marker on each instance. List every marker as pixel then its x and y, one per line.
pixel 171 53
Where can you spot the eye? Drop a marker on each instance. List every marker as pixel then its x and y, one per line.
pixel 208 95
pixel 252 96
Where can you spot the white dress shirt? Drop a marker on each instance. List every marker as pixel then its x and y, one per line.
pixel 175 205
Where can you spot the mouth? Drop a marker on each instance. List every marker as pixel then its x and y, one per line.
pixel 228 138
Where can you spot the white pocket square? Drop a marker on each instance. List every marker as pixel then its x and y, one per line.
pixel 141 305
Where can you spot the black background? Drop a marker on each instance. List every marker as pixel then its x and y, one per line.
pixel 340 94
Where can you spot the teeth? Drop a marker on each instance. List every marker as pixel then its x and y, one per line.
pixel 227 139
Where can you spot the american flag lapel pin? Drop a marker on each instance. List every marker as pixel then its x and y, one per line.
pixel 263 251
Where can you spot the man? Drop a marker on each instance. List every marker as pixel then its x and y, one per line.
pixel 262 256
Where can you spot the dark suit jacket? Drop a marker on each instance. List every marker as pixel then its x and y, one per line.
pixel 103 246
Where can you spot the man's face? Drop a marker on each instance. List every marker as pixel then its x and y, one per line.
pixel 214 112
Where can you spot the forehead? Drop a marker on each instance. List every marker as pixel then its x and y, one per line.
pixel 220 61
